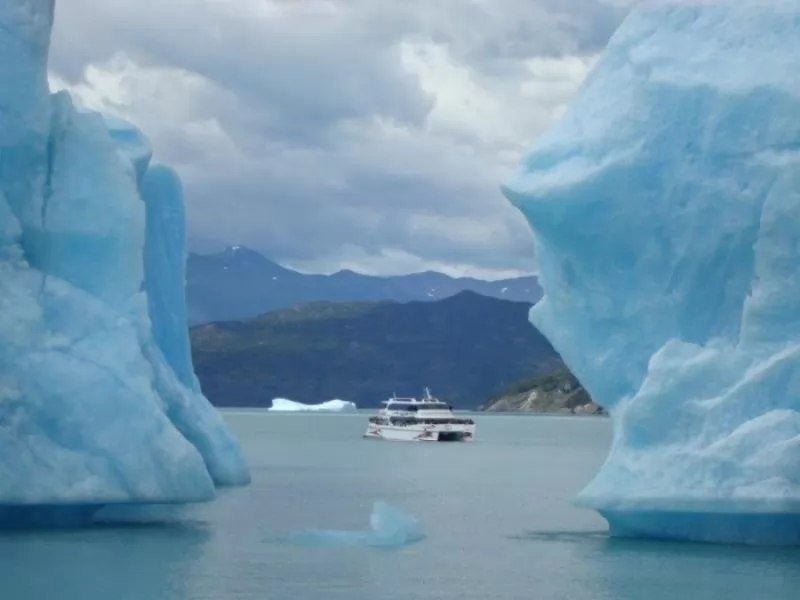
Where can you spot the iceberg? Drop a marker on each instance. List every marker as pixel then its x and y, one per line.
pixel 389 528
pixel 98 399
pixel 284 405
pixel 665 205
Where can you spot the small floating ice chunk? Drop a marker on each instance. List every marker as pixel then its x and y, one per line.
pixel 389 528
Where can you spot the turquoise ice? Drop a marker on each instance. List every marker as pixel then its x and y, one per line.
pixel 389 527
pixel 98 399
pixel 666 210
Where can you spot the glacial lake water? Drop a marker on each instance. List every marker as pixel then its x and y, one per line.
pixel 496 513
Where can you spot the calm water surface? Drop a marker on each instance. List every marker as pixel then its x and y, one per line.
pixel 496 513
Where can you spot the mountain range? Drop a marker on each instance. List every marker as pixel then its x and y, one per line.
pixel 240 283
pixel 466 347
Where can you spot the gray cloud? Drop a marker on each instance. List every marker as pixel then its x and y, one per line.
pixel 340 132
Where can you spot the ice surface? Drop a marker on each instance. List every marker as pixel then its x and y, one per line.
pixel 98 400
pixel 666 209
pixel 389 527
pixel 284 405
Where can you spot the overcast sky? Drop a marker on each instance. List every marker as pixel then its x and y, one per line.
pixel 363 134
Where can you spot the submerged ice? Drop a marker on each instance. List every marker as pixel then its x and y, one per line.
pixel 98 399
pixel 666 205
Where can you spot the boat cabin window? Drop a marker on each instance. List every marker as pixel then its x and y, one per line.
pixel 409 407
pixel 406 406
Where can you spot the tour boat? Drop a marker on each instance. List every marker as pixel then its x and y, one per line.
pixel 425 420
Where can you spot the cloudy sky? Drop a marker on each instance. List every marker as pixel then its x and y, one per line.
pixel 363 134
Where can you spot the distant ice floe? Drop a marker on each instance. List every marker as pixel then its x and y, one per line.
pixel 336 405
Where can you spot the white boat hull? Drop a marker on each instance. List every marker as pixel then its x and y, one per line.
pixel 421 433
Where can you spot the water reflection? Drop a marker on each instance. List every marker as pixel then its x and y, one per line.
pixel 629 569
pixel 131 560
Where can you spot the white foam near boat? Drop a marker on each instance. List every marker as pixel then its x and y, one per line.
pixel 425 420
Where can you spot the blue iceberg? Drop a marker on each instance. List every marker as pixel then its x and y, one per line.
pixel 98 399
pixel 666 210
pixel 389 528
